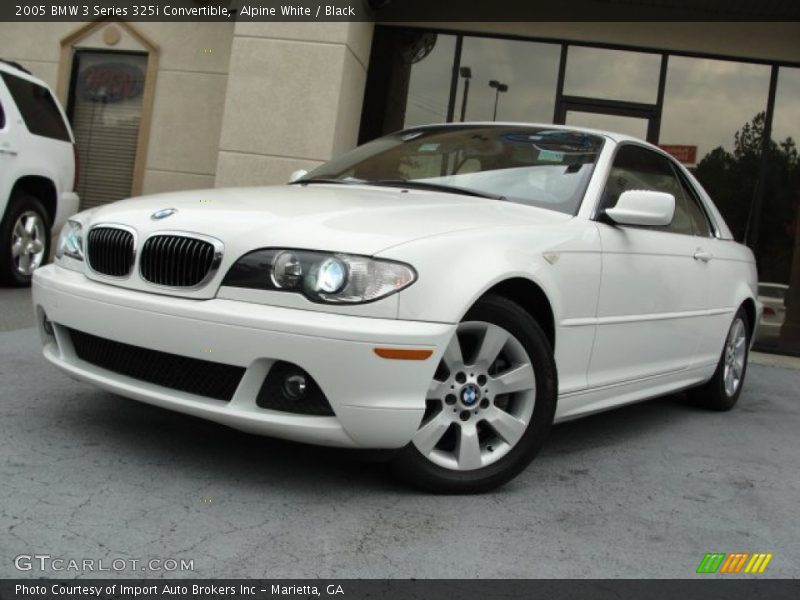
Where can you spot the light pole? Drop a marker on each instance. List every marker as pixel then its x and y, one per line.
pixel 498 87
pixel 466 73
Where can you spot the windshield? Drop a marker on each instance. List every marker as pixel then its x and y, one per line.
pixel 548 168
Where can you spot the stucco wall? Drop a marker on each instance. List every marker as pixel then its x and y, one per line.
pixel 294 98
pixel 189 93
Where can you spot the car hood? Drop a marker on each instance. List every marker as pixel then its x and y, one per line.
pixel 352 218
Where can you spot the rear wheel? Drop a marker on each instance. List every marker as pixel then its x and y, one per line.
pixel 724 388
pixel 24 240
pixel 490 405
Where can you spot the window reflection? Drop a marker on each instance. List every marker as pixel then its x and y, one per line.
pixel 719 107
pixel 524 75
pixel 778 242
pixel 633 126
pixel 612 74
pixel 431 63
pixel 408 81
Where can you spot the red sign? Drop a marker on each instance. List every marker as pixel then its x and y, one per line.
pixel 683 154
pixel 110 82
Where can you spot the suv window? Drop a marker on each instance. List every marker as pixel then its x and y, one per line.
pixel 37 107
pixel 637 168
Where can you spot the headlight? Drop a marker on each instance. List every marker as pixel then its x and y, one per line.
pixel 330 276
pixel 320 276
pixel 70 242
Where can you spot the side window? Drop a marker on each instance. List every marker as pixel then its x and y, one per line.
pixel 637 168
pixel 697 215
pixel 37 107
pixel 2 116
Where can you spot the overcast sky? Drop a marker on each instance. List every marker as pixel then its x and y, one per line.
pixel 705 102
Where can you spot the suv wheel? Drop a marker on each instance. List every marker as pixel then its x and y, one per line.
pixel 24 240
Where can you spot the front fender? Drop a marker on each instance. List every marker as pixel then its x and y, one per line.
pixel 456 269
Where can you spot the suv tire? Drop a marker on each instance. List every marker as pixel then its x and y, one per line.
pixel 24 240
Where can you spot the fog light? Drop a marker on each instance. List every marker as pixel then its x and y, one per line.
pixel 294 387
pixel 289 388
pixel 47 325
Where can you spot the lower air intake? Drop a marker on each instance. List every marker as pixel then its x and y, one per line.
pixel 190 375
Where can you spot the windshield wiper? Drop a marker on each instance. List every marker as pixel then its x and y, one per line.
pixel 348 181
pixel 437 187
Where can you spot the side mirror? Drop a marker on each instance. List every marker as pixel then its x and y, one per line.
pixel 299 174
pixel 643 207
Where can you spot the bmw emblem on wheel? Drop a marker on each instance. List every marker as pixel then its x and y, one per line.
pixel 470 395
pixel 163 213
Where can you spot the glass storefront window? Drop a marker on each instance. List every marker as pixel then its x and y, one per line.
pixel 612 74
pixel 525 75
pixel 408 80
pixel 778 241
pixel 718 106
pixel 431 63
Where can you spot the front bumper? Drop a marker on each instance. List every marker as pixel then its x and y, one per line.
pixel 378 403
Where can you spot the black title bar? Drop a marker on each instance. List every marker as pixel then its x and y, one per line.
pixel 396 10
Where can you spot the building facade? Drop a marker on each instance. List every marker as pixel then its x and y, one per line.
pixel 169 106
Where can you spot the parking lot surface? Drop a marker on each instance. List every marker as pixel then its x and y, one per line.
pixel 643 491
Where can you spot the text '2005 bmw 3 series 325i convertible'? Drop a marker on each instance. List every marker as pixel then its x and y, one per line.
pixel 447 292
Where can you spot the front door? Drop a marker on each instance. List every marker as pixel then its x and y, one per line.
pixel 654 288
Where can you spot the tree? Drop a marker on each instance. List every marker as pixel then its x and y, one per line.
pixel 730 178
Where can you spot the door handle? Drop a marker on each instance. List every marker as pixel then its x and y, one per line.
pixel 701 254
pixel 7 151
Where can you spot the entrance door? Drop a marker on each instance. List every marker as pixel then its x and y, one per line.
pixel 105 108
pixel 634 126
pixel 630 118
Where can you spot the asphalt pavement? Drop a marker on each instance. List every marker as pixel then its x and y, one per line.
pixel 642 491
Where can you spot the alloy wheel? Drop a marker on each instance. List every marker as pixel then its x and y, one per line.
pixel 735 355
pixel 480 401
pixel 28 242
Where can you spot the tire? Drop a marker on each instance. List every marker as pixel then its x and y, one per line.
pixel 722 391
pixel 490 405
pixel 24 240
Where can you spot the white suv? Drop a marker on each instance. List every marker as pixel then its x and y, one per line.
pixel 38 171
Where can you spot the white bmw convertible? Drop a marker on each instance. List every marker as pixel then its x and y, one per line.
pixel 448 292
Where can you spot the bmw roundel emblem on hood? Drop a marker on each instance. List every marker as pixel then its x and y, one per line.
pixel 163 213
